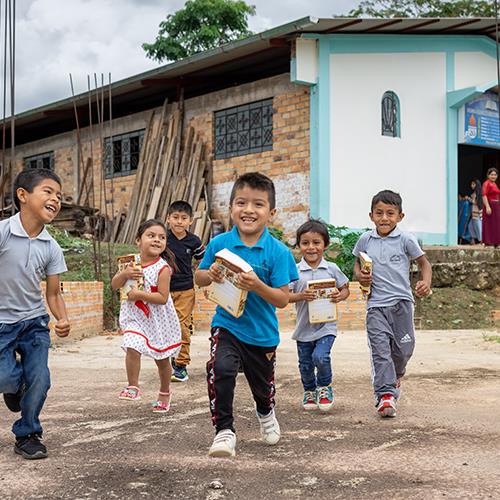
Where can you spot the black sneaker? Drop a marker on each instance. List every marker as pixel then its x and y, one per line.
pixel 13 401
pixel 30 447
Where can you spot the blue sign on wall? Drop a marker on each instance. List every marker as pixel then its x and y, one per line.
pixel 481 121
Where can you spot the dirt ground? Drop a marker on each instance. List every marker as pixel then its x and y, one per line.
pixel 445 441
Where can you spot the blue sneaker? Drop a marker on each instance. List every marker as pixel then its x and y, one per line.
pixel 324 397
pixel 179 374
pixel 309 400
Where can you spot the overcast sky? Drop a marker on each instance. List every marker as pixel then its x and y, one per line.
pixel 58 37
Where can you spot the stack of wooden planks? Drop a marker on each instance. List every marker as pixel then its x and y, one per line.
pixel 170 168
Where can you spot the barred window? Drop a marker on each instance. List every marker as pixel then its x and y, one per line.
pixel 391 123
pixel 42 160
pixel 244 129
pixel 123 157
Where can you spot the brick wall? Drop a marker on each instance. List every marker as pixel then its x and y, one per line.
pixel 287 164
pixel 84 304
pixel 351 312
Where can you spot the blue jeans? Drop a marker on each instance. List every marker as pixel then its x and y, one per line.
pixel 31 340
pixel 314 362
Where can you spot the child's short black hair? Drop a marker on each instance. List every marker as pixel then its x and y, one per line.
pixel 255 180
pixel 313 226
pixel 180 206
pixel 29 178
pixel 389 198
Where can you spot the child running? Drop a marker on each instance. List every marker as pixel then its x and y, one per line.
pixel 315 341
pixel 389 318
pixel 147 319
pixel 29 254
pixel 185 246
pixel 249 341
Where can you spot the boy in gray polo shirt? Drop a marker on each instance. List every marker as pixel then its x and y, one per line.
pixel 389 318
pixel 314 341
pixel 27 255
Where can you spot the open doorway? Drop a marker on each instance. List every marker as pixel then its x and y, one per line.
pixel 473 163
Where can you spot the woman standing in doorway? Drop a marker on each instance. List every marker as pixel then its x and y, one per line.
pixel 491 209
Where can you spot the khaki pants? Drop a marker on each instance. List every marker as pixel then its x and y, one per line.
pixel 184 305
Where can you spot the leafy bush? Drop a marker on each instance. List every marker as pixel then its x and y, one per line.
pixel 342 242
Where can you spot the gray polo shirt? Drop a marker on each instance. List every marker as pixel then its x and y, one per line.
pixel 24 262
pixel 305 331
pixel 391 258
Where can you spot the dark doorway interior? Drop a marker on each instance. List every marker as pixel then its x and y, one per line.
pixel 473 162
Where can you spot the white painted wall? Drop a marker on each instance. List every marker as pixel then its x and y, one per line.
pixel 306 60
pixel 474 68
pixel 363 162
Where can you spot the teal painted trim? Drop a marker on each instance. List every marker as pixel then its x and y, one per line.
pixel 451 156
pixel 432 238
pixel 313 152
pixel 322 180
pixel 366 44
pixel 457 98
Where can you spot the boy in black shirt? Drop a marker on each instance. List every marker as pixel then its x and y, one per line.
pixel 186 246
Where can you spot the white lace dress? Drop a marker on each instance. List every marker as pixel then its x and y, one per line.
pixel 151 329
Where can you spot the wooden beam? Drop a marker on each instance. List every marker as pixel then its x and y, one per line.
pixel 343 25
pixel 459 25
pixel 383 25
pixel 279 42
pixel 63 113
pixel 419 25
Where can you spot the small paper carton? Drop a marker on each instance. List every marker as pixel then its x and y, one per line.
pixel 125 261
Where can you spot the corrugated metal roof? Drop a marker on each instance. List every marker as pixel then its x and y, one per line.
pixel 257 56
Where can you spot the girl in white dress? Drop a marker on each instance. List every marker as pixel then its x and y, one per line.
pixel 148 319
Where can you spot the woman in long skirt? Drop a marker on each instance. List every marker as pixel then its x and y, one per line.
pixel 491 209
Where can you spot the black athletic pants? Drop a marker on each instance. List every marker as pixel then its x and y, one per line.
pixel 227 354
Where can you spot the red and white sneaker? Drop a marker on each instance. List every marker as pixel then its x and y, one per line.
pixel 387 406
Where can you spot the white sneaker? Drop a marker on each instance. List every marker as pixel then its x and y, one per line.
pixel 224 444
pixel 269 428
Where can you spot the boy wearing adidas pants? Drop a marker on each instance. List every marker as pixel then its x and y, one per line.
pixel 389 318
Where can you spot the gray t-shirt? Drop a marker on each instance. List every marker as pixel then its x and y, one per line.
pixel 391 256
pixel 305 331
pixel 24 262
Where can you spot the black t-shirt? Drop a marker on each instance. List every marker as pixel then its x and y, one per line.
pixel 185 250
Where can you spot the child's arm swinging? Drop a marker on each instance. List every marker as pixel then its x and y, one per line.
pixel 158 297
pixel 423 287
pixel 57 306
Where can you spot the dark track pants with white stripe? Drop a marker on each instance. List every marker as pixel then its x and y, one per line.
pixel 227 354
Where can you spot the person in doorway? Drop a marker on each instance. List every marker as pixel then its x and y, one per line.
pixel 27 255
pixel 186 246
pixel 476 201
pixel 491 209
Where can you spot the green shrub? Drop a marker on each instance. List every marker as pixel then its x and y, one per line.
pixel 342 242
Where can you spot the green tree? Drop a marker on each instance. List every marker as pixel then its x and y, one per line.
pixel 200 25
pixel 423 8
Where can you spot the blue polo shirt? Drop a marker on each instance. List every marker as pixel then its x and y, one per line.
pixel 24 262
pixel 391 256
pixel 273 263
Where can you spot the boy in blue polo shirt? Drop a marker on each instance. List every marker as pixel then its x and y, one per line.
pixel 249 341
pixel 389 317
pixel 27 255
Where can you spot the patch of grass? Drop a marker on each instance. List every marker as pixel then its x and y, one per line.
pixel 456 308
pixel 492 338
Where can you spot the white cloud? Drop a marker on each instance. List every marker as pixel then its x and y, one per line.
pixel 82 37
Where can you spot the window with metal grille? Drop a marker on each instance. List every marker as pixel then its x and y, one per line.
pixel 244 129
pixel 391 123
pixel 42 160
pixel 122 157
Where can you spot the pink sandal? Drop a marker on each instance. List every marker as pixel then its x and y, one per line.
pixel 130 393
pixel 162 406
